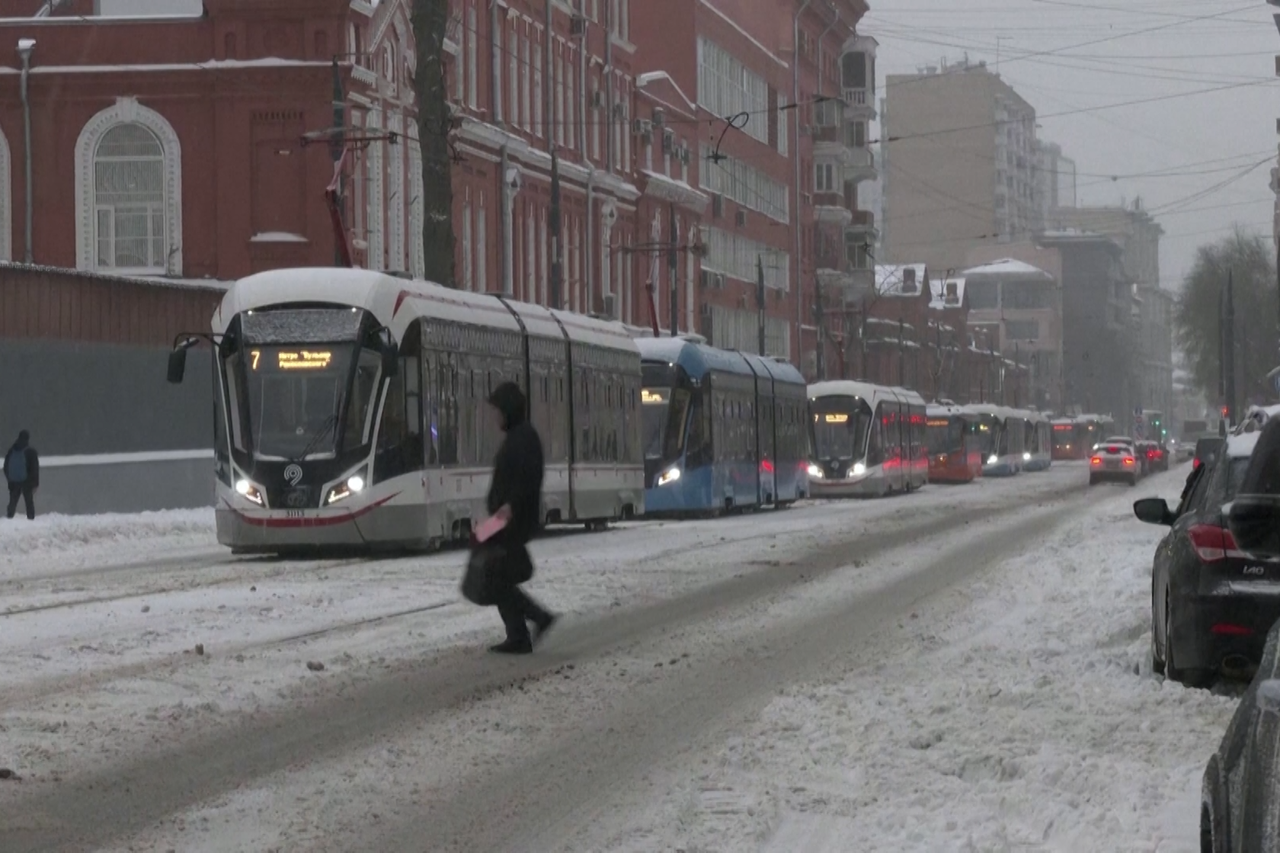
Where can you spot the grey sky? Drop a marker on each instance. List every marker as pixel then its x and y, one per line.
pixel 1234 128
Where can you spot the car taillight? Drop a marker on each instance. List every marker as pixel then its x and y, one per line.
pixel 1195 463
pixel 1097 460
pixel 1128 460
pixel 1213 544
pixel 1151 454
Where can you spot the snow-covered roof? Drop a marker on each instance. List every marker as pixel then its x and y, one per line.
pixel 643 80
pixel 891 278
pixel 1009 267
pixel 937 290
pixel 1241 446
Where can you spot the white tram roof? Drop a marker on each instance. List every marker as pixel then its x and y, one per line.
pixel 396 302
pixel 1001 412
pixel 946 410
pixel 873 394
pixel 386 297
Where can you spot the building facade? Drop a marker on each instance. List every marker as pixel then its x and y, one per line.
pixel 170 146
pixel 1151 307
pixel 1021 305
pixel 960 164
pixel 1055 179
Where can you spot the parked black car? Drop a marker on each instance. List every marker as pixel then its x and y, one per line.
pixel 1211 602
pixel 1206 450
pixel 1240 794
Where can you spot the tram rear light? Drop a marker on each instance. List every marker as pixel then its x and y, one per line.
pixel 1230 630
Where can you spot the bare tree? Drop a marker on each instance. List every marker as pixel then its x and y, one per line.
pixel 435 124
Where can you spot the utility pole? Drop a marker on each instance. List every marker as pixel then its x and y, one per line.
pixel 760 298
pixel 430 20
pixel 673 269
pixel 1229 348
pixel 557 248
pixel 337 150
pixel 819 320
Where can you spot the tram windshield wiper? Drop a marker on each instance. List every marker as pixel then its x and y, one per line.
pixel 326 427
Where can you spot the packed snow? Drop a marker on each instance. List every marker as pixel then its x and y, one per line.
pixel 777 682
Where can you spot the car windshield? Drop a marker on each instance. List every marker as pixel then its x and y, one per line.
pixel 1235 475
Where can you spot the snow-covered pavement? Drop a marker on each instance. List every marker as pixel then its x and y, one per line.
pixel 949 670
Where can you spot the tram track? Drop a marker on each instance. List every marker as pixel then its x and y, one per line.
pixel 349 715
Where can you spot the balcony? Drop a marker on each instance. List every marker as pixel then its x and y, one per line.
pixel 862 227
pixel 861 166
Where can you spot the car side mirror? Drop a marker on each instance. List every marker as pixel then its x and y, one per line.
pixel 177 365
pixel 1154 511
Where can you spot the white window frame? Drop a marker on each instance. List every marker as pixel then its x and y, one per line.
pixel 538 84
pixel 525 108
pixel 467 257
pixel 472 37
pixel 513 70
pixel 482 246
pixel 124 111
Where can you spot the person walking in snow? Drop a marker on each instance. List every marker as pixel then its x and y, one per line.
pixel 22 473
pixel 515 496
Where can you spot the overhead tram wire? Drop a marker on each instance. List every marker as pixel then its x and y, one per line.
pixel 1116 37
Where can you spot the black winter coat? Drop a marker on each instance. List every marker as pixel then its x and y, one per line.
pixel 517 469
pixel 33 464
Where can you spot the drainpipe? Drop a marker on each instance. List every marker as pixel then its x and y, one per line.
pixel 795 156
pixel 609 129
pixel 831 26
pixel 495 51
pixel 549 76
pixel 504 219
pixel 581 129
pixel 25 46
pixel 589 273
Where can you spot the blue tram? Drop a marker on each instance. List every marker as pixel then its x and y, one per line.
pixel 721 430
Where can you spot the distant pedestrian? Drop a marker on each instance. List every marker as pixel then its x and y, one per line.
pixel 515 495
pixel 22 473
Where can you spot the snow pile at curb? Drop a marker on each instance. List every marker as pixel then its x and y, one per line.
pixel 168 529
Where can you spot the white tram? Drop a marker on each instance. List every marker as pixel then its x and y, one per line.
pixel 350 410
pixel 1002 436
pixel 866 440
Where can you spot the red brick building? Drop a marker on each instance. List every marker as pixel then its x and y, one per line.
pixel 171 145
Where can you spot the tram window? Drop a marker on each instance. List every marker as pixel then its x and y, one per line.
pixel 361 406
pixel 221 452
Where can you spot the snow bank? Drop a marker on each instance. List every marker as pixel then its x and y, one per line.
pixel 123 536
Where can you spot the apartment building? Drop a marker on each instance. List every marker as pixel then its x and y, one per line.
pixel 960 164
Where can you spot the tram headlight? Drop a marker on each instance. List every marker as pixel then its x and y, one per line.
pixel 992 459
pixel 248 491
pixel 352 485
pixel 815 472
pixel 669 476
pixel 1026 457
pixel 858 469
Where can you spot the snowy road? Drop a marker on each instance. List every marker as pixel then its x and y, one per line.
pixel 949 670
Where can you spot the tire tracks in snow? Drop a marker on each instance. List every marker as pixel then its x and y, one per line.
pixel 112 804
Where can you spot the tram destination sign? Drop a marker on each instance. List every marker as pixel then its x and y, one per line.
pixel 291 359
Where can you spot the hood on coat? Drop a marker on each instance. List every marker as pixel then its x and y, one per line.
pixel 509 400
pixel 24 439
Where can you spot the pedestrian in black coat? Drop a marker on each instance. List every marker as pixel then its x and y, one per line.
pixel 515 494
pixel 22 473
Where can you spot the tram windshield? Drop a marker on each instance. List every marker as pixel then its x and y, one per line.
pixel 1064 436
pixel 946 435
pixel 313 396
pixel 656 391
pixel 990 434
pixel 840 426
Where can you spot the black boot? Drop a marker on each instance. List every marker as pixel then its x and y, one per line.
pixel 542 625
pixel 513 647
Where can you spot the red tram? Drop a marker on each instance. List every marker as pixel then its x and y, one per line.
pixel 954 452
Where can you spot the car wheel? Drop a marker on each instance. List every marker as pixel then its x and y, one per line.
pixel 1196 677
pixel 1157 662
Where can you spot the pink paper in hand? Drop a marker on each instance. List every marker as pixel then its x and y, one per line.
pixel 489 527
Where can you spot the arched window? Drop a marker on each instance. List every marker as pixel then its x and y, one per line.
pixel 129 192
pixel 128 200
